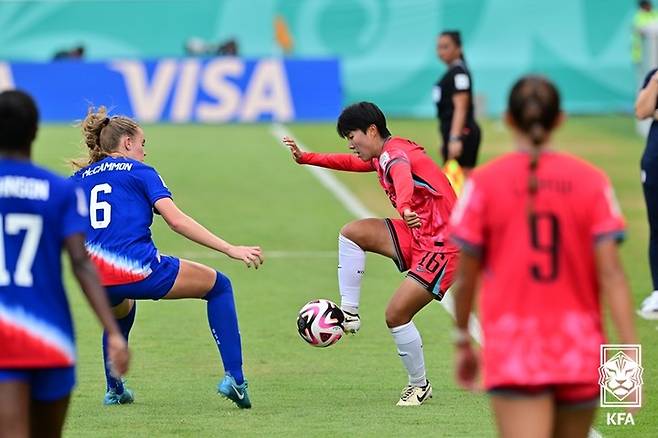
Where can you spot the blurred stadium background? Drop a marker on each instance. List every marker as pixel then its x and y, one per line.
pixel 298 63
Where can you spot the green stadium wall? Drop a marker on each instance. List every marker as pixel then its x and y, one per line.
pixel 386 47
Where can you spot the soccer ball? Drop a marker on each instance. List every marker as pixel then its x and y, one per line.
pixel 320 323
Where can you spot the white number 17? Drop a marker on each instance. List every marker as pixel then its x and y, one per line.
pixel 10 225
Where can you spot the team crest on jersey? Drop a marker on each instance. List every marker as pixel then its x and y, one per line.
pixel 384 159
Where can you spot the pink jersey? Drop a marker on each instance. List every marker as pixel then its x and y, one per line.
pixel 411 180
pixel 539 302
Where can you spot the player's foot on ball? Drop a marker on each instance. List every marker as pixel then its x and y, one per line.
pixel 352 322
pixel 125 398
pixel 238 394
pixel 415 395
pixel 649 309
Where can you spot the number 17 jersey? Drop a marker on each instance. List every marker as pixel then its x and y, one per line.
pixel 122 193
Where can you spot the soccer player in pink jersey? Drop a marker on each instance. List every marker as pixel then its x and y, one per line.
pixel 417 243
pixel 540 229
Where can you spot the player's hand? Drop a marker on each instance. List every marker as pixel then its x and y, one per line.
pixel 411 218
pixel 118 354
pixel 467 367
pixel 294 149
pixel 250 255
pixel 455 148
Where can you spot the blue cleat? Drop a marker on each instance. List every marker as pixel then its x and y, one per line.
pixel 238 394
pixel 125 398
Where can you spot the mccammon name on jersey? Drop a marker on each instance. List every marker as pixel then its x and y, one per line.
pixel 103 167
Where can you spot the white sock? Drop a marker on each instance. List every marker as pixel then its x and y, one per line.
pixel 351 266
pixel 410 348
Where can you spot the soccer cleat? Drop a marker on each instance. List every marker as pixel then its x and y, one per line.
pixel 415 395
pixel 352 322
pixel 649 309
pixel 125 398
pixel 238 394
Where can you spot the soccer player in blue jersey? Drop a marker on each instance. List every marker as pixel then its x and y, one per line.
pixel 40 213
pixel 123 195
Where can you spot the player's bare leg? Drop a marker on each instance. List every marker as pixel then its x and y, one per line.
pixel 354 240
pixel 573 422
pixel 47 418
pixel 194 280
pixel 14 409
pixel 524 416
pixel 405 303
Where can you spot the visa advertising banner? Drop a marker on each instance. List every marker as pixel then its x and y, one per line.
pixel 216 90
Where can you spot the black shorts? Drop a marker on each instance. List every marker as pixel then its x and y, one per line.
pixel 471 146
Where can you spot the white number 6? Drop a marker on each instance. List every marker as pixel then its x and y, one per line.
pixel 104 207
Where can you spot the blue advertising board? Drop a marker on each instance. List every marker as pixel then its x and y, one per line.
pixel 216 90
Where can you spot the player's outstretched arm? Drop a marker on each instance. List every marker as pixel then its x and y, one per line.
pixel 85 273
pixel 347 162
pixel 615 290
pixel 184 225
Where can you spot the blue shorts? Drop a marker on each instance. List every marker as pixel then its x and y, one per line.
pixel 153 287
pixel 46 384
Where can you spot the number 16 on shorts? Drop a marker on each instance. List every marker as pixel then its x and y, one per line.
pixel 620 375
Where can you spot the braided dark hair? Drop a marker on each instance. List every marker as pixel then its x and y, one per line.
pixel 534 106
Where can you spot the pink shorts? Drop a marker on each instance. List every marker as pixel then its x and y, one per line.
pixel 434 270
pixel 565 394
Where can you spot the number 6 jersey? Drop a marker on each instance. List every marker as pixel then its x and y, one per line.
pixel 38 211
pixel 121 194
pixel 540 299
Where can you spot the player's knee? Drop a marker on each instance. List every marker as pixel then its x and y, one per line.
pixel 222 286
pixel 354 232
pixel 395 317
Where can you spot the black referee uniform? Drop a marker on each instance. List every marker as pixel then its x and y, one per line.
pixel 457 80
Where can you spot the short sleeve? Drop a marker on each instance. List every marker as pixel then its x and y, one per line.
pixel 154 185
pixel 75 212
pixel 467 221
pixel 461 80
pixel 607 220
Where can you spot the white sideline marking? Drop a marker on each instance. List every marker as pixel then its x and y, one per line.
pixel 209 254
pixel 356 207
pixel 359 210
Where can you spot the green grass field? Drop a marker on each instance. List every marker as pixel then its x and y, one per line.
pixel 238 181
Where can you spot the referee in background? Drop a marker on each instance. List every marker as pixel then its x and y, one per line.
pixel 453 95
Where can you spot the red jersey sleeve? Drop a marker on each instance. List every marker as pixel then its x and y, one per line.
pixel 467 221
pixel 607 220
pixel 395 165
pixel 347 162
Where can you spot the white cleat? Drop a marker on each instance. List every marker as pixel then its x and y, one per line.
pixel 649 309
pixel 352 322
pixel 415 395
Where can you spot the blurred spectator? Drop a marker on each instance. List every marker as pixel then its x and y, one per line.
pixel 282 35
pixel 199 47
pixel 77 52
pixel 644 16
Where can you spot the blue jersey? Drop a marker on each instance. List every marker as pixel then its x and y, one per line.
pixel 38 211
pixel 122 193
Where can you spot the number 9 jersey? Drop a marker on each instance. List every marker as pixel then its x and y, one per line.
pixel 122 193
pixel 540 299
pixel 38 211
